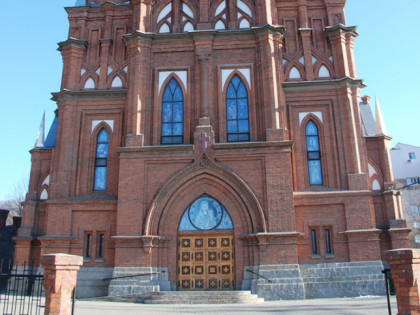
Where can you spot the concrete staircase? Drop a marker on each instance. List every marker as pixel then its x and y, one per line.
pixel 203 297
pixel 186 297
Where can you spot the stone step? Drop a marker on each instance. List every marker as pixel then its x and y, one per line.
pixel 203 297
pixel 121 299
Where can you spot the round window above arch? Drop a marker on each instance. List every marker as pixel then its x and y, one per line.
pixel 205 214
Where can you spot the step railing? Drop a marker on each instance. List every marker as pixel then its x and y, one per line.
pixel 135 275
pixel 260 276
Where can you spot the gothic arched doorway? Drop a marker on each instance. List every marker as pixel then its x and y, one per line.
pixel 205 247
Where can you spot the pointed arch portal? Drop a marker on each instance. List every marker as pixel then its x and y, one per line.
pixel 205 247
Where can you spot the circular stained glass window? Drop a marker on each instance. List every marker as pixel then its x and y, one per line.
pixel 204 214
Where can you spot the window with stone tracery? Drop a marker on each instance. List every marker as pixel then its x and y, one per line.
pixel 313 153
pixel 101 160
pixel 169 21
pixel 181 17
pixel 172 128
pixel 237 114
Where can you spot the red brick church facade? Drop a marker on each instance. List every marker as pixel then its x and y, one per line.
pixel 241 118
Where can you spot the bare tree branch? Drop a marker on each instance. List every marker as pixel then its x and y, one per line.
pixel 15 197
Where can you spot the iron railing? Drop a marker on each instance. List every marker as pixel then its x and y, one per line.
pixel 21 291
pixel 135 275
pixel 260 276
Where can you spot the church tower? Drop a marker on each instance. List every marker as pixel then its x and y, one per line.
pixel 209 143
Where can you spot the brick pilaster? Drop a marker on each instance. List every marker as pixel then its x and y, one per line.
pixel 269 46
pixel 60 276
pixel 72 51
pixel 203 51
pixel 342 47
pixel 142 14
pixel 139 48
pixel 405 272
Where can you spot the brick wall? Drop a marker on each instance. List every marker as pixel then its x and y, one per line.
pixel 264 183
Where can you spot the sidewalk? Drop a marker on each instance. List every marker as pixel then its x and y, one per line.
pixel 375 305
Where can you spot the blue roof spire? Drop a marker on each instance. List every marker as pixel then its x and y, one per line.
pixel 50 140
pixel 80 3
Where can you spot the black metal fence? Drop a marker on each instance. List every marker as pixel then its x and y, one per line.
pixel 21 290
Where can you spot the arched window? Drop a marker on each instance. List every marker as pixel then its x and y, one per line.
pixel 172 114
pixel 237 117
pixel 205 214
pixel 101 160
pixel 313 154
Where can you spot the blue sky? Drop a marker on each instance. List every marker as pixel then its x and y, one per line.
pixel 386 52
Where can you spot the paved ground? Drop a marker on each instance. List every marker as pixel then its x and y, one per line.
pixel 363 305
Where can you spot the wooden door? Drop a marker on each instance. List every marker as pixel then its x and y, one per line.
pixel 206 260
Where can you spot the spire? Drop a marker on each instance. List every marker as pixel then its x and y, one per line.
pixel 380 125
pixel 39 142
pixel 80 3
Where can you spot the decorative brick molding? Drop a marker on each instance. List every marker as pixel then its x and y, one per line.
pixel 60 276
pixel 405 272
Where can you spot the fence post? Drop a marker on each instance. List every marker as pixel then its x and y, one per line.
pixel 60 276
pixel 405 271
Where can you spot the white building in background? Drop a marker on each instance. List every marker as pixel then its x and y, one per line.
pixel 406 167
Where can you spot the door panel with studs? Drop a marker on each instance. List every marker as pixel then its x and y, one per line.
pixel 205 261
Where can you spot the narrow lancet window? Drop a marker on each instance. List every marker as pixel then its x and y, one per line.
pixel 313 154
pixel 101 160
pixel 328 241
pixel 237 116
pixel 172 114
pixel 314 243
pixel 88 244
pixel 101 245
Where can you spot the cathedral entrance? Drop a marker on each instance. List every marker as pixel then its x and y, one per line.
pixel 205 247
pixel 206 261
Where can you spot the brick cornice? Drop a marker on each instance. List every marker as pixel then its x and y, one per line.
pixel 158 149
pixel 188 148
pixel 255 145
pixel 72 42
pixel 303 195
pixel 323 84
pixel 382 137
pixel 69 94
pixel 269 238
pixel 271 235
pixel 106 5
pixel 42 150
pixel 85 200
pixel 274 29
pixel 342 28
pixel 361 232
pixel 305 31
pixel 258 30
